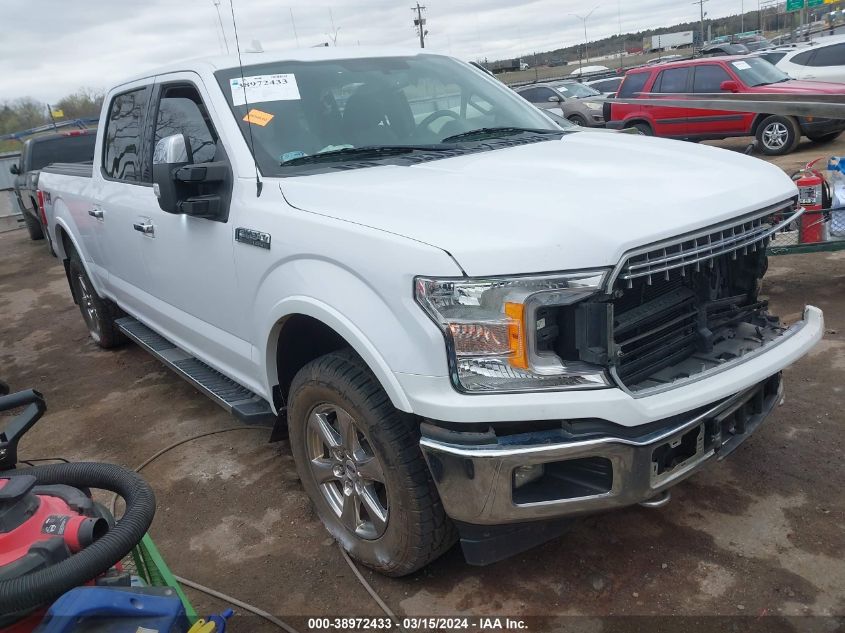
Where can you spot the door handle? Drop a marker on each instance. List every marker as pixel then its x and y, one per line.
pixel 96 213
pixel 144 227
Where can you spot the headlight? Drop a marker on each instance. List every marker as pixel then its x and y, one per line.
pixel 491 328
pixel 594 106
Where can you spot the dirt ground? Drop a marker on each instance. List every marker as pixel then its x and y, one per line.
pixel 762 533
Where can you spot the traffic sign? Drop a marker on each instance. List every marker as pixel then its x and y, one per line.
pixel 795 5
pixel 815 3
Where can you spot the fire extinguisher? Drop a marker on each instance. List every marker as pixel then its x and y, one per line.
pixel 813 191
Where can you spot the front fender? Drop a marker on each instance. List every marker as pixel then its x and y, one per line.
pixel 357 339
pixel 373 310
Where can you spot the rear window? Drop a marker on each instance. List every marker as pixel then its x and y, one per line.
pixel 833 55
pixel 634 83
pixel 65 149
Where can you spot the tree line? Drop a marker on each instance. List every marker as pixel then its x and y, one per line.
pixel 26 113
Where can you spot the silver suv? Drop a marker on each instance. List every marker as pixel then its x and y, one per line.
pixel 580 104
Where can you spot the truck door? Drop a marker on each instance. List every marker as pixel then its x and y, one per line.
pixel 121 188
pixel 191 259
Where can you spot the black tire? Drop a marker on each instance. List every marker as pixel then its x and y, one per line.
pixel 644 129
pixel 824 138
pixel 99 314
pixel 33 227
pixel 577 119
pixel 778 135
pixel 341 389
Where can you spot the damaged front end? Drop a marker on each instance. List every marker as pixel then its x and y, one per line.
pixel 675 311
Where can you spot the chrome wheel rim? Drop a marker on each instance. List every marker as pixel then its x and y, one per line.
pixel 775 136
pixel 347 471
pixel 89 309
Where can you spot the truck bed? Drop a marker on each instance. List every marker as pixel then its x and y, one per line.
pixel 83 170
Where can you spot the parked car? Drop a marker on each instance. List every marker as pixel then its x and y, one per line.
pixel 664 59
pixel 822 60
pixel 38 152
pixel 724 48
pixel 776 134
pixel 580 104
pixel 455 351
pixel 606 87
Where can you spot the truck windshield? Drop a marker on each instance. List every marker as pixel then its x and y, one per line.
pixel 304 109
pixel 754 71
pixel 62 149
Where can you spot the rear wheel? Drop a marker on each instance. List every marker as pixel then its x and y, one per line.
pixel 824 138
pixel 360 462
pixel 99 314
pixel 644 129
pixel 33 226
pixel 778 135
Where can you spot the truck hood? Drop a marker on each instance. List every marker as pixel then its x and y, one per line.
pixel 578 202
pixel 798 86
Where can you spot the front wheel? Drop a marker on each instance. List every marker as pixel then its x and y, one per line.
pixel 778 135
pixel 360 462
pixel 577 119
pixel 99 314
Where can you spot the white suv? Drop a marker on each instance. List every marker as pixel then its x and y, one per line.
pixel 823 60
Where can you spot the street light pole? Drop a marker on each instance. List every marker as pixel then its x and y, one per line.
pixel 584 19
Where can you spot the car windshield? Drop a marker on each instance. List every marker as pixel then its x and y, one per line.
pixel 343 108
pixel 576 91
pixel 758 72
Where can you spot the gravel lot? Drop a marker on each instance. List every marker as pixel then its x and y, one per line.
pixel 763 533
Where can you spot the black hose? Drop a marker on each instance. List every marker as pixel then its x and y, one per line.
pixel 44 586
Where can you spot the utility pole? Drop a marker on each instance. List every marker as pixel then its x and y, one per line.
pixel 584 19
pixel 700 4
pixel 419 22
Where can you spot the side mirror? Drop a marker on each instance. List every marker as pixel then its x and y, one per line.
pixel 184 187
pixel 555 99
pixel 729 86
pixel 14 170
pixel 170 153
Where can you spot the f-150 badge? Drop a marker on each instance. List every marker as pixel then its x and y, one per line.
pixel 253 238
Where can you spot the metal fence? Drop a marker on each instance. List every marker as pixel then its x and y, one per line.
pixel 7 160
pixel 814 231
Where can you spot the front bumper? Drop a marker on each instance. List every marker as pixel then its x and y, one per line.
pixel 820 127
pixel 588 466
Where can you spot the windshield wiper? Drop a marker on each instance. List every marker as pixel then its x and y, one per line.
pixel 367 151
pixel 494 132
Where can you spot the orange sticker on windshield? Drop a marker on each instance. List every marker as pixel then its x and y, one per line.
pixel 257 117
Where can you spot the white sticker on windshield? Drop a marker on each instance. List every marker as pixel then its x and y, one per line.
pixel 260 88
pixel 742 65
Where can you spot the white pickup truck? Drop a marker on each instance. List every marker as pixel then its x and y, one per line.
pixel 475 323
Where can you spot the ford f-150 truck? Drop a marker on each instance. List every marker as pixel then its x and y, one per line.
pixel 371 247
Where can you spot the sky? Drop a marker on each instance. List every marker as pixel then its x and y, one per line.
pixel 57 46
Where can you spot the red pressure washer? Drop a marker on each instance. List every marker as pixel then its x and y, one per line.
pixel 54 538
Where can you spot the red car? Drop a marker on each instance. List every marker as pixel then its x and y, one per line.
pixel 775 134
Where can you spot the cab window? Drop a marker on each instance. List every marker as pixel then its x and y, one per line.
pixel 122 141
pixel 181 111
